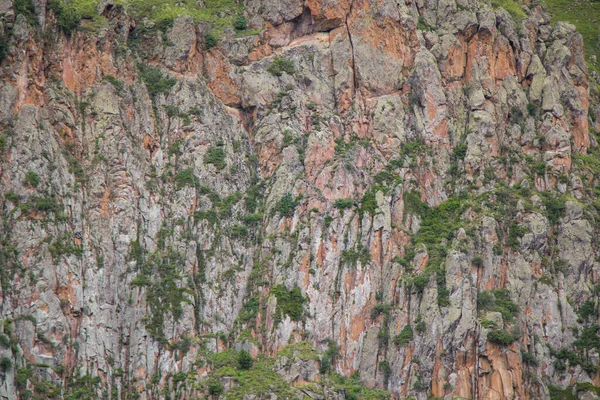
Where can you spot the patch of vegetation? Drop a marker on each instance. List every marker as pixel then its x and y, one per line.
pixel 216 156
pixel 244 360
pixel 25 8
pixel 161 274
pixel 498 300
pixel 32 179
pixel 555 206
pixel 118 85
pixel 513 8
pixel 404 337
pixel 210 41
pixel 353 256
pixel 289 302
pixel 328 358
pixel 240 23
pixel 156 81
pixel 186 178
pixel 287 205
pixel 529 359
pixel 501 337
pixel 279 66
pixel 587 311
pixel 343 204
pixel 67 17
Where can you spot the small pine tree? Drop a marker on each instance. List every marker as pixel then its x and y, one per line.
pixel 244 360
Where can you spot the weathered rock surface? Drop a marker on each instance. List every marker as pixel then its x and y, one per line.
pixel 414 182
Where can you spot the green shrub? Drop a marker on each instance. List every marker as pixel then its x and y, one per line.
pixel 210 41
pixel 555 206
pixel 498 300
pixel 343 204
pixel 386 370
pixel 404 337
pixel 289 302
pixel 587 310
pixel 281 65
pixel 244 360
pixel 515 232
pixel 32 179
pixel 118 85
pixel 589 338
pixel 186 178
pixel 529 359
pixel 3 53
pixel 287 205
pixel 238 231
pixel 25 8
pixel 240 23
pixel 531 109
pixel 155 80
pixel 5 364
pixel 67 17
pixel 501 337
pixel 477 261
pixel 46 204
pixel 216 156
pixel 214 386
pixel 352 256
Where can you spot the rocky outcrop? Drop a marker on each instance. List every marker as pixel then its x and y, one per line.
pixel 399 193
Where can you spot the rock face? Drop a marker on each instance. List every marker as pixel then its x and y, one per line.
pixel 404 191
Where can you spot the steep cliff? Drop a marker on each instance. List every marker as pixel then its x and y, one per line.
pixel 350 199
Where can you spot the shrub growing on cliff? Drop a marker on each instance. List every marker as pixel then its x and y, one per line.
pixel 32 179
pixel 186 178
pixel 5 364
pixel 216 156
pixel 287 205
pixel 215 387
pixel 25 8
pixel 210 41
pixel 244 360
pixel 67 17
pixel 240 23
pixel 281 65
pixel 404 337
pixel 501 337
pixel 156 82
pixel 289 302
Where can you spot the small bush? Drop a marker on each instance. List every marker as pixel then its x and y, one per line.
pixel 210 41
pixel 240 23
pixel 287 205
pixel 501 337
pixel 478 261
pixel 216 156
pixel 156 82
pixel 281 65
pixel 215 387
pixel 529 359
pixel 404 337
pixel 244 360
pixel 289 302
pixel 186 178
pixel 67 17
pixel 32 179
pixel 114 81
pixel 26 8
pixel 342 204
pixel 5 364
